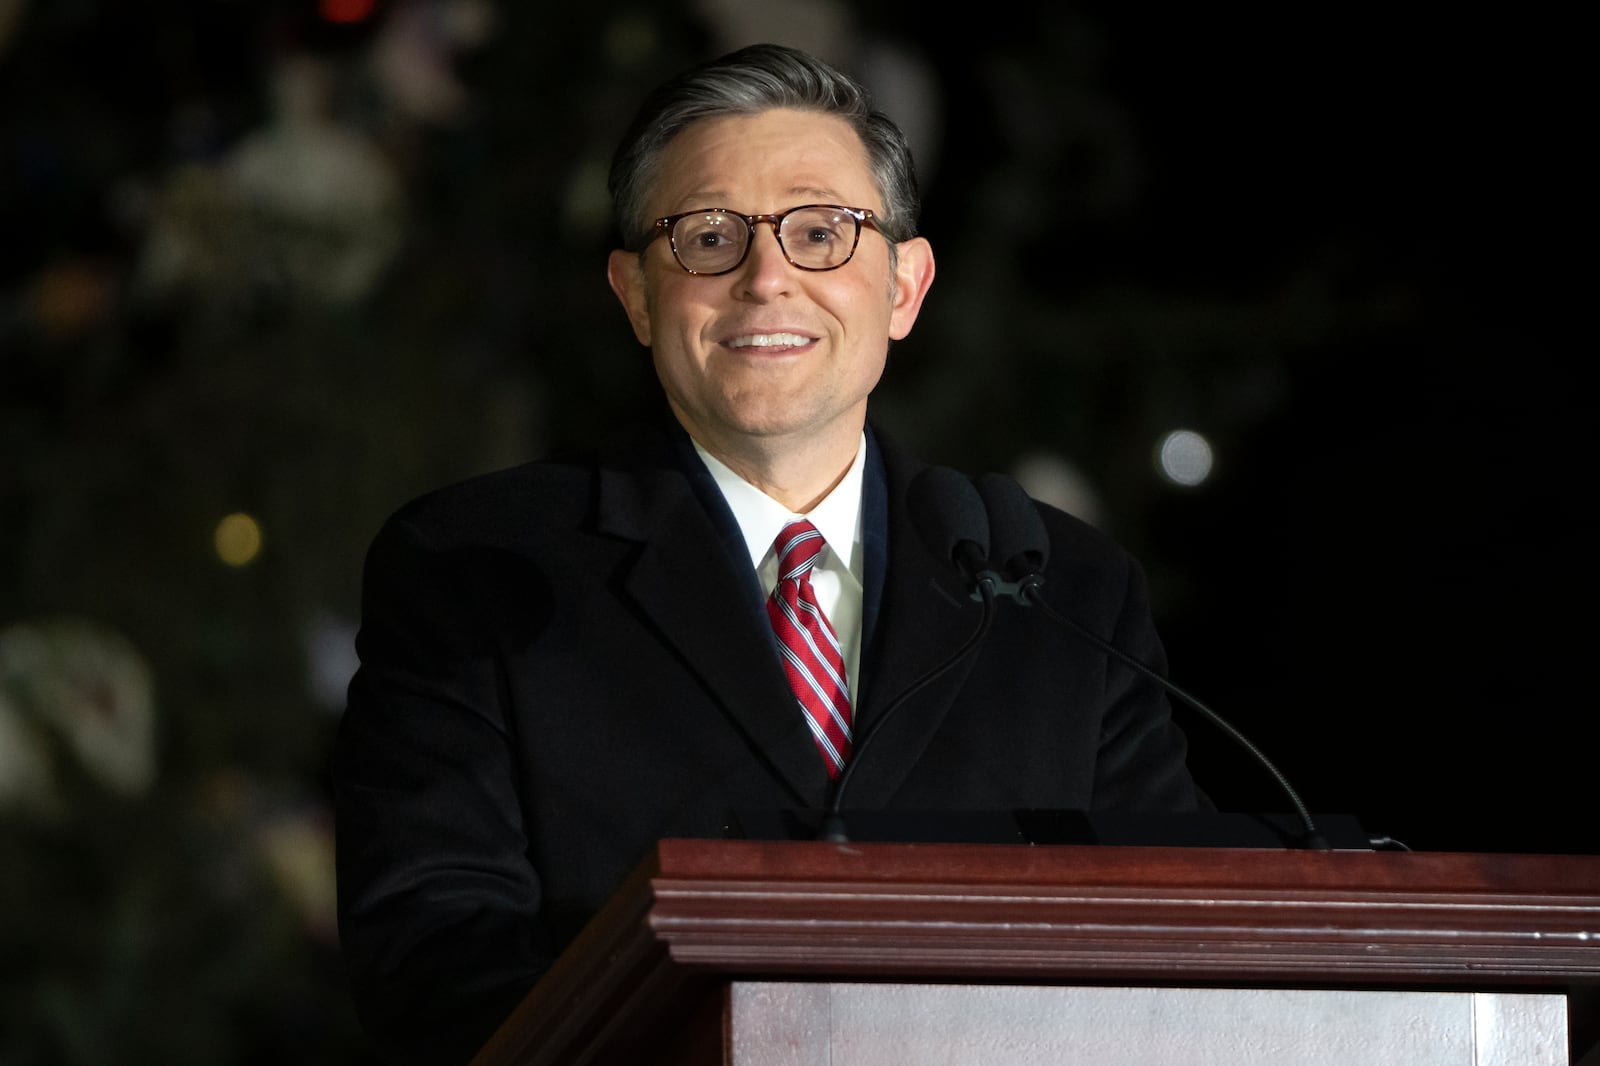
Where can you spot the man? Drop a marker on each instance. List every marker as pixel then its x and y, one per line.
pixel 565 662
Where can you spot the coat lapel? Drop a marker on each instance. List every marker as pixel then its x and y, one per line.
pixel 704 602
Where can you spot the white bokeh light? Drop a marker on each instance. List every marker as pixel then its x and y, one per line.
pixel 1184 457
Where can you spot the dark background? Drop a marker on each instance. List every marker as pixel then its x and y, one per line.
pixel 1347 245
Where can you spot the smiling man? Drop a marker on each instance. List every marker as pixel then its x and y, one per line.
pixel 565 662
pixel 768 336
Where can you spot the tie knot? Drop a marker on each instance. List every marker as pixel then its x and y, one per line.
pixel 797 547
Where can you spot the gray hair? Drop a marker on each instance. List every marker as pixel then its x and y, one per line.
pixel 759 78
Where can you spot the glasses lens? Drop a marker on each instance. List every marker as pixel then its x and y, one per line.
pixel 710 242
pixel 819 238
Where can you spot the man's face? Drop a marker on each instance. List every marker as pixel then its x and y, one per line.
pixel 769 354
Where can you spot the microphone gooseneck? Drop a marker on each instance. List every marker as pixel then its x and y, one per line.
pixel 1312 838
pixel 1019 540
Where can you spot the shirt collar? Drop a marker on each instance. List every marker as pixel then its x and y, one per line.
pixel 761 518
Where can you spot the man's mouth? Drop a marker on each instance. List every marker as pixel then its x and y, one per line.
pixel 768 340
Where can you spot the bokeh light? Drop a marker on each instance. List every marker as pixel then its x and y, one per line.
pixel 238 539
pixel 1184 458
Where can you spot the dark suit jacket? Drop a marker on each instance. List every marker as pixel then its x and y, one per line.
pixel 564 662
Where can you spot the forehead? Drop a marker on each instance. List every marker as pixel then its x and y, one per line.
pixel 764 162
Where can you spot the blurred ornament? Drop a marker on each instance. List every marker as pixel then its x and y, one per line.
pixel 277 830
pixel 86 691
pixel 297 845
pixel 323 200
pixel 414 57
pixel 304 209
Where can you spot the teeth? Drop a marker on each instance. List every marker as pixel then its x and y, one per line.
pixel 768 340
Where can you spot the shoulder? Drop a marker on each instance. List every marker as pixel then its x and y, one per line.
pixel 1088 572
pixel 502 504
pixel 560 491
pixel 1074 541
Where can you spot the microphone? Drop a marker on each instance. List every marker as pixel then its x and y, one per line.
pixel 1022 544
pixel 951 518
pixel 953 521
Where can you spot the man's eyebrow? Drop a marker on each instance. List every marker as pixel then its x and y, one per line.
pixel 815 194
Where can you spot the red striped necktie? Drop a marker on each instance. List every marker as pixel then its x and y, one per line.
pixel 810 648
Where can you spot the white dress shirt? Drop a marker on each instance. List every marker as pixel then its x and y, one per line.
pixel 836 577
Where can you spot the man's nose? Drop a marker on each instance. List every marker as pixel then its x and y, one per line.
pixel 765 263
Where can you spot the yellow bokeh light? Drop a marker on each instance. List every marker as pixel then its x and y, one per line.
pixel 238 539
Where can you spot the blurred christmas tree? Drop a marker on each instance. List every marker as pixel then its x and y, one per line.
pixel 270 270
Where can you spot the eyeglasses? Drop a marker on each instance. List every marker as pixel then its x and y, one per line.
pixel 812 237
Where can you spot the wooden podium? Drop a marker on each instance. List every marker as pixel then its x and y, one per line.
pixel 810 953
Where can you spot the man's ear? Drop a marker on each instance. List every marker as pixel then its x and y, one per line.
pixel 625 272
pixel 913 274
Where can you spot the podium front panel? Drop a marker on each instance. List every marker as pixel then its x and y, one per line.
pixel 821 1023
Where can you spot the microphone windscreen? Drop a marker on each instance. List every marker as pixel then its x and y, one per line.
pixel 1016 531
pixel 948 513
